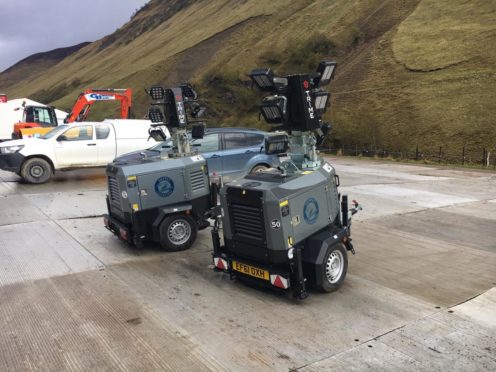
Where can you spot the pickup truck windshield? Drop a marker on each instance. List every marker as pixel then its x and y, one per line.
pixel 55 131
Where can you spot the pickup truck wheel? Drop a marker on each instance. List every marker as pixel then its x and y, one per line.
pixel 177 232
pixel 335 266
pixel 36 170
pixel 258 168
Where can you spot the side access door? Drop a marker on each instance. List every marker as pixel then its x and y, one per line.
pixel 76 147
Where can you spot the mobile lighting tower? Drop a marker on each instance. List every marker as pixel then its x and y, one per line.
pixel 163 199
pixel 288 228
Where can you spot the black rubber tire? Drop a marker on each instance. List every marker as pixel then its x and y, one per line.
pixel 326 284
pixel 258 168
pixel 181 220
pixel 36 170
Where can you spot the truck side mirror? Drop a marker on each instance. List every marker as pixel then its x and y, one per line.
pixel 62 138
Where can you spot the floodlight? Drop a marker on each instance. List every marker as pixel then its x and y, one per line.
pixel 157 93
pixel 273 109
pixel 322 133
pixel 263 78
pixel 321 101
pixel 188 92
pixel 276 144
pixel 326 71
pixel 157 133
pixel 155 115
pixel 196 110
pixel 198 131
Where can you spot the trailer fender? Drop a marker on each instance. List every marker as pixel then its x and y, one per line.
pixel 314 252
pixel 163 212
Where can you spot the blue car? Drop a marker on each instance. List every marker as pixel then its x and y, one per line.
pixel 230 152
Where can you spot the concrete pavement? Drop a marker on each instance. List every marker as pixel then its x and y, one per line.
pixel 418 295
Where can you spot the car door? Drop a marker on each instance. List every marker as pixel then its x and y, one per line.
pixel 76 147
pixel 239 148
pixel 105 143
pixel 209 147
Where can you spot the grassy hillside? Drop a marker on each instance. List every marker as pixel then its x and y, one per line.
pixel 410 71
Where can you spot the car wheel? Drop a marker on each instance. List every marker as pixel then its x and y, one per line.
pixel 177 232
pixel 36 170
pixel 335 266
pixel 259 168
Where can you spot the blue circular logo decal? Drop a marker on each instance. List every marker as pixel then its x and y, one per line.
pixel 311 211
pixel 164 186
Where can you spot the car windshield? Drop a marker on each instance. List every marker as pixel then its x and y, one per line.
pixel 167 144
pixel 55 131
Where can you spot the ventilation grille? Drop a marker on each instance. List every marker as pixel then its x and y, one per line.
pixel 114 194
pixel 247 221
pixel 197 180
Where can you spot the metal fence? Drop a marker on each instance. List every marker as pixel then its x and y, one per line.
pixel 484 158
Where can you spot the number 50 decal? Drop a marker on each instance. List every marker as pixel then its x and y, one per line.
pixel 275 224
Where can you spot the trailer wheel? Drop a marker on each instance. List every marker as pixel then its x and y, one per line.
pixel 36 170
pixel 335 266
pixel 177 232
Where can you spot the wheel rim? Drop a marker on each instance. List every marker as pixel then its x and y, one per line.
pixel 179 232
pixel 334 266
pixel 36 171
pixel 258 169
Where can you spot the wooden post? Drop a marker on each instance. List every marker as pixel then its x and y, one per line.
pixel 416 153
pixel 440 154
pixel 463 156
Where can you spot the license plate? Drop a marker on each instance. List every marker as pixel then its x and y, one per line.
pixel 250 270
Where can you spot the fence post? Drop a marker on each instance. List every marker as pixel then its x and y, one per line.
pixel 440 154
pixel 463 156
pixel 356 149
pixel 483 156
pixel 416 153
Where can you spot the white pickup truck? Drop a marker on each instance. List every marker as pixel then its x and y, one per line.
pixel 72 146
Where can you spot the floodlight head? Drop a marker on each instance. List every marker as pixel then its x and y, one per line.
pixel 155 115
pixel 188 92
pixel 196 110
pixel 321 101
pixel 326 71
pixel 198 131
pixel 157 93
pixel 157 133
pixel 274 109
pixel 276 143
pixel 263 79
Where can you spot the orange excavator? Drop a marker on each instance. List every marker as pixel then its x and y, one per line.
pixel 32 126
pixel 86 99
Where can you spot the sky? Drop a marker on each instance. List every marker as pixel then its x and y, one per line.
pixel 33 26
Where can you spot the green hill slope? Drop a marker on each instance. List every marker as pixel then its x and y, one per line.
pixel 410 71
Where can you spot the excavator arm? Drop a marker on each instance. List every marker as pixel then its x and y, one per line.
pixel 86 99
